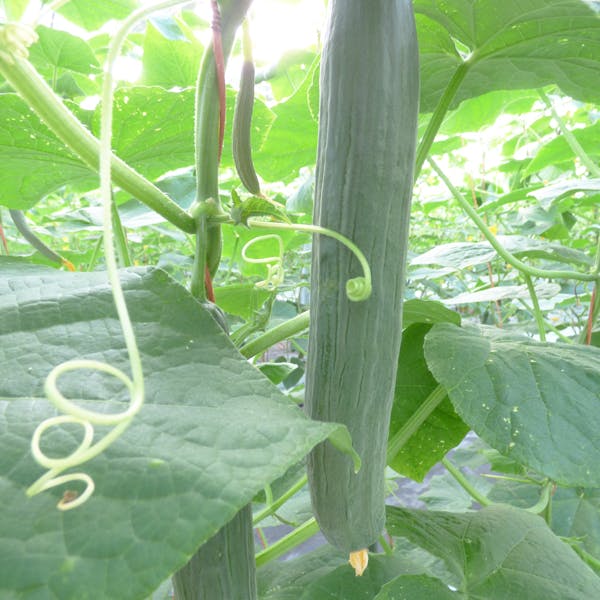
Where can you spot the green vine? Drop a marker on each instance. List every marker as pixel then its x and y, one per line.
pixel 27 82
pixel 491 238
pixel 135 385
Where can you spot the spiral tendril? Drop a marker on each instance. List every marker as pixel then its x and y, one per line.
pixel 135 385
pixel 357 288
pixel 275 271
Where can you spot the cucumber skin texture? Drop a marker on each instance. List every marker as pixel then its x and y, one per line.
pixel 242 130
pixel 223 568
pixel 364 179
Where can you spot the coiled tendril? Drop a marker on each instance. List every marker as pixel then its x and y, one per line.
pixel 275 272
pixel 135 385
pixel 357 288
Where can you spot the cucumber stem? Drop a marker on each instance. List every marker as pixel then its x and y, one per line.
pixel 275 505
pixel 277 334
pixel 491 238
pixel 286 543
pixel 438 115
pixel 28 83
pixel 465 483
pixel 415 421
pixel 570 138
pixel 539 318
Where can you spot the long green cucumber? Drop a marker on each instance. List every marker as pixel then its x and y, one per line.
pixel 242 121
pixel 223 568
pixel 22 226
pixel 364 179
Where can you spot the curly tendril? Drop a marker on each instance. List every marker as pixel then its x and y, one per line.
pixel 135 385
pixel 275 272
pixel 357 288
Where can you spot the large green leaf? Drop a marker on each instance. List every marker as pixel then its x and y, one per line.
pixel 212 433
pixel 575 511
pixel 34 161
pixel 292 139
pixel 498 553
pixel 441 431
pixel 59 49
pixel 169 62
pixel 505 292
pixel 325 574
pixel 507 45
pixel 92 15
pixel 417 587
pixel 461 255
pixel 558 151
pixel 153 132
pixel 482 111
pixel 534 402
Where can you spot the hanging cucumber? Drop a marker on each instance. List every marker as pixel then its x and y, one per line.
pixel 242 120
pixel 223 568
pixel 364 178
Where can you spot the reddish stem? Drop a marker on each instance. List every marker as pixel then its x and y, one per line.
pixel 3 240
pixel 220 69
pixel 590 320
pixel 210 292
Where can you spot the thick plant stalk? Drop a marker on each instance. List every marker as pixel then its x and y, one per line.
pixel 208 117
pixel 364 180
pixel 223 568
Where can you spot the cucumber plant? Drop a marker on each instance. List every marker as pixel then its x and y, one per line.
pixel 183 488
pixel 364 180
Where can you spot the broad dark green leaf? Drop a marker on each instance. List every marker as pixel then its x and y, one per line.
pixel 199 449
pixel 417 587
pixel 427 311
pixel 92 15
pixel 59 49
pixel 499 553
pixel 169 62
pixel 325 574
pixel 442 430
pixel 535 402
pixel 575 511
pixel 241 299
pixel 507 45
pixel 276 372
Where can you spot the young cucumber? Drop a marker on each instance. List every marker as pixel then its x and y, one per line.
pixel 364 179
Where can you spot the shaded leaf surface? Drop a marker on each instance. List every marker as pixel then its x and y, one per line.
pixel 325 574
pixel 441 431
pixel 499 552
pixel 535 402
pixel 198 451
